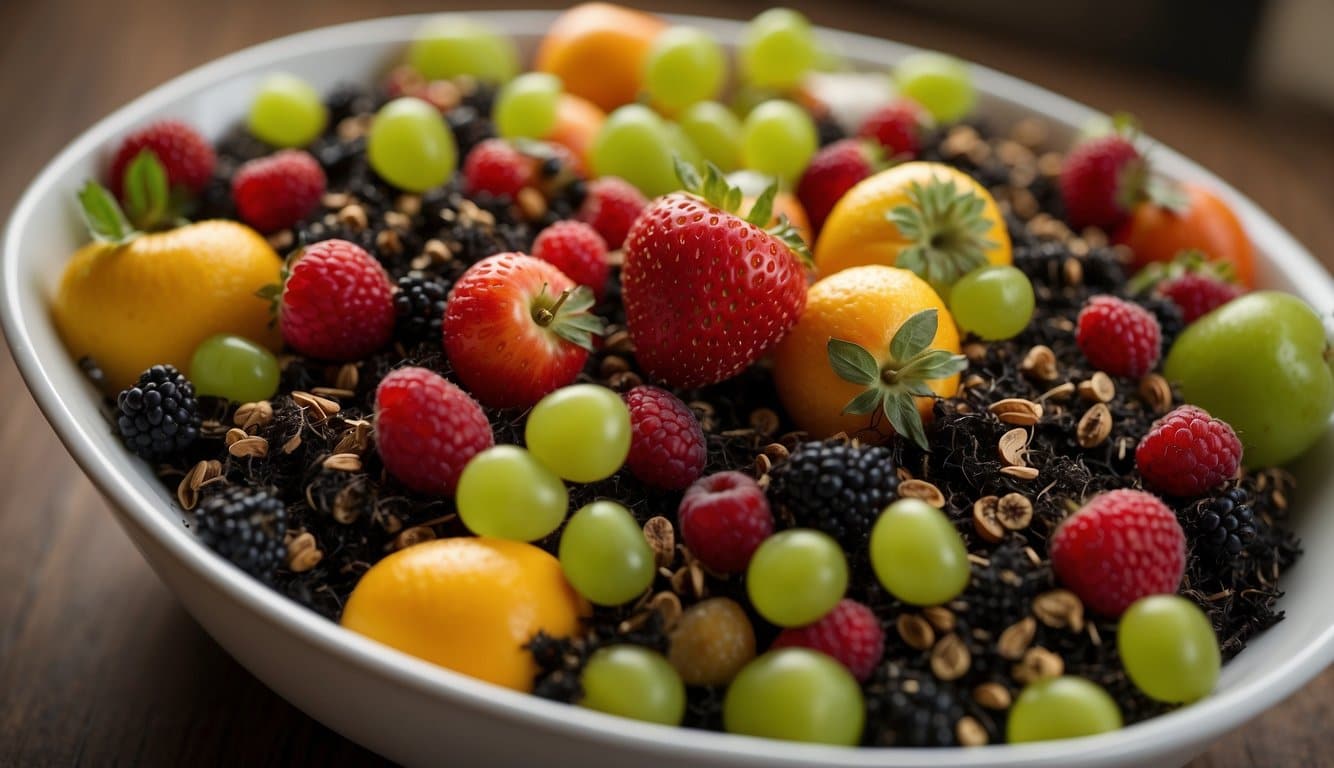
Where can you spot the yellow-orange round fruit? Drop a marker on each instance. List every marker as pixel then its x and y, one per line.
pixel 467 604
pixel 864 305
pixel 578 121
pixel 785 204
pixel 156 298
pixel 598 51
pixel 858 231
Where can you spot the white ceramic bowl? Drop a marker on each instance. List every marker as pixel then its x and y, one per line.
pixel 420 714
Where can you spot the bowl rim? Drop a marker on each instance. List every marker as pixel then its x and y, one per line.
pixel 135 505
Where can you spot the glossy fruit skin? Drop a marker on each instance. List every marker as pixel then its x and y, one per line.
pixel 833 171
pixel 604 554
pixel 1061 708
pixel 410 146
pixel 776 49
pixel 635 682
pixel 917 555
pixel 337 303
pixel 287 111
pixel 581 432
pixel 186 156
pixel 1169 649
pixel 1209 224
pixel 1118 337
pixel 234 368
pixel 1198 294
pixel 723 519
pixel 864 305
pixel 667 448
pixel 993 303
pixel 598 51
pixel 578 122
pixel 796 576
pixel 795 694
pixel 1098 180
pixel 1259 363
pixel 497 168
pixel 1187 452
pixel 941 84
pixel 448 46
pixel 689 332
pixel 711 642
pixel 278 191
pixel 525 107
pixel 715 131
pixel 503 592
pixel 427 429
pixel 504 492
pixel 611 207
pixel 156 299
pixel 897 127
pixel 683 66
pixel 637 145
pixel 576 249
pixel 850 634
pixel 778 138
pixel 857 232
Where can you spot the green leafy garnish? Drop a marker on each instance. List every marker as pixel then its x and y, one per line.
pixel 103 215
pixel 947 229
pixel 716 191
pixel 568 316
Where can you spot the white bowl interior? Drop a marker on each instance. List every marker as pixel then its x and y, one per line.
pixel 45 229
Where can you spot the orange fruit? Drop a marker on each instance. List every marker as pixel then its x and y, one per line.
pixel 864 305
pixel 1206 223
pixel 156 298
pixel 858 230
pixel 786 204
pixel 577 124
pixel 598 51
pixel 467 604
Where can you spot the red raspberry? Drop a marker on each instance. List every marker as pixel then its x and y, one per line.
pixel 576 249
pixel 496 167
pixel 831 173
pixel 850 633
pixel 611 206
pixel 426 430
pixel 1123 545
pixel 1187 452
pixel 897 127
pixel 1119 337
pixel 666 442
pixel 278 191
pixel 1198 294
pixel 186 156
pixel 1101 180
pixel 337 303
pixel 723 518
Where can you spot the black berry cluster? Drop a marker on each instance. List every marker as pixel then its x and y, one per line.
pixel 911 708
pixel 420 306
pixel 1226 524
pixel 245 525
pixel 837 487
pixel 158 416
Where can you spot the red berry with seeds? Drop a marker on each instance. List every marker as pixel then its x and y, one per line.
pixel 278 191
pixel 611 206
pixel 1121 546
pixel 186 156
pixel 723 519
pixel 337 303
pixel 578 250
pixel 498 168
pixel 1198 293
pixel 1187 452
pixel 897 127
pixel 667 447
pixel 427 429
pixel 831 173
pixel 517 328
pixel 1101 181
pixel 1118 337
pixel 850 633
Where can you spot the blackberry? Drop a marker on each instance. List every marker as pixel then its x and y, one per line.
pixel 1001 592
pixel 246 525
pixel 910 708
pixel 420 305
pixel 839 488
pixel 158 416
pixel 1225 524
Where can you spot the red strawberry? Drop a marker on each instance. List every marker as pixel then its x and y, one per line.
pixel 832 172
pixel 1101 181
pixel 426 429
pixel 577 250
pixel 1121 546
pixel 850 633
pixel 337 302
pixel 723 519
pixel 517 328
pixel 278 191
pixel 187 157
pixel 1198 293
pixel 706 292
pixel 498 168
pixel 667 447
pixel 1187 452
pixel 611 206
pixel 897 127
pixel 1119 337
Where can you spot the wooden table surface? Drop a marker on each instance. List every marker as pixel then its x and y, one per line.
pixel 99 664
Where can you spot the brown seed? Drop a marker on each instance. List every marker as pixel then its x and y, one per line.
pixel 764 421
pixel 343 462
pixel 711 642
pixel 332 393
pixel 1059 392
pixel 292 443
pixel 1016 638
pixel 201 474
pixel 1037 664
pixel 993 696
pixel 335 200
pixel 915 631
pixel 443 94
pixel 410 205
pixel 1014 410
pixel 612 364
pixel 531 203
pixel 1014 511
pixel 939 617
pixel 346 505
pixel 1040 363
pixel 762 465
pixel 921 489
pixel 436 251
pixel 1049 164
pixel 665 605
pixel 950 658
pixel 1156 393
pixel 1012 446
pixel 975 352
pixel 1094 426
pixel 388 242
pixel 249 447
pixel 1099 388
pixel 348 377
pixel 619 341
pixel 417 534
pixel 1059 608
pixel 661 539
pixel 234 434
pixel 776 452
pixel 969 732
pixel 281 240
pixel 1021 473
pixel 353 217
pixel 624 381
pixel 317 408
pixel 984 520
pixel 974 381
pixel 1072 271
pixel 1031 132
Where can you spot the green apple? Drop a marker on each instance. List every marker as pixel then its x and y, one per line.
pixel 1260 363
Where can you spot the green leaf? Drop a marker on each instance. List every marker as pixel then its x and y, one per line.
pixel 901 410
pixel 914 335
pixel 105 220
pixel 864 403
pixel 763 209
pixel 146 194
pixel 852 363
pixel 784 231
pixel 1167 194
pixel 687 175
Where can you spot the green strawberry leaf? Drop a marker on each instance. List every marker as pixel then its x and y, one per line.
pixel 864 403
pixel 901 410
pixel 106 222
pixel 852 363
pixel 914 335
pixel 763 209
pixel 147 197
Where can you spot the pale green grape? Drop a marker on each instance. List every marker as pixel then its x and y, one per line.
pixel 637 145
pixel 993 302
pixel 604 554
pixel 777 48
pixel 684 65
pixel 582 432
pixel 917 555
pixel 940 83
pixel 778 138
pixel 525 107
pixel 505 493
pixel 795 694
pixel 235 368
pixel 635 682
pixel 796 576
pixel 683 147
pixel 1169 649
pixel 449 46
pixel 1061 708
pixel 716 131
pixel 410 146
pixel 286 111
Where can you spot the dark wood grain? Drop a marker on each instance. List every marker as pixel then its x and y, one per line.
pixel 99 665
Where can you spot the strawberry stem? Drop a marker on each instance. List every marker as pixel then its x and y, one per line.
pixel 544 315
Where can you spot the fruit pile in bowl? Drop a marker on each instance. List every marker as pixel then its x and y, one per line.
pixel 821 408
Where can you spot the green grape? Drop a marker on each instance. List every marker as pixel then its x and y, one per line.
pixel 942 84
pixel 684 65
pixel 526 106
pixel 286 111
pixel 993 302
pixel 604 554
pixel 777 48
pixel 410 146
pixel 796 576
pixel 778 138
pixel 795 694
pixel 449 46
pixel 637 145
pixel 917 555
pixel 1169 649
pixel 235 368
pixel 683 147
pixel 1061 708
pixel 505 493
pixel 635 682
pixel 715 131
pixel 582 432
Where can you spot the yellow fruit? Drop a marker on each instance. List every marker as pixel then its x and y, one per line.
pixel 954 239
pixel 468 605
pixel 866 306
pixel 154 299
